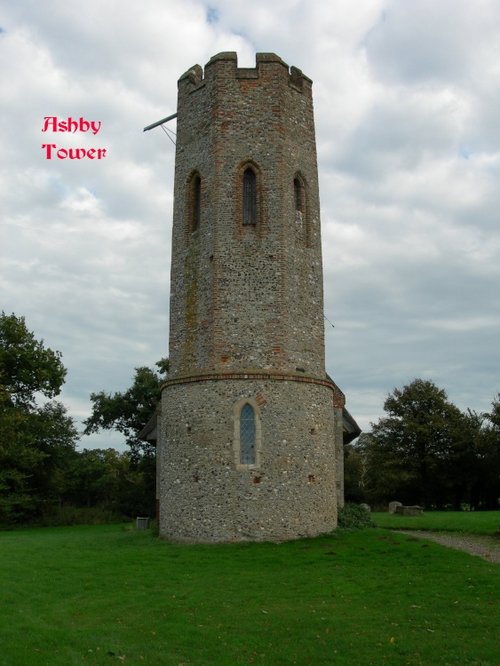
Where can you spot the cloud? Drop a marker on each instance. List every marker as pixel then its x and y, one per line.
pixel 409 156
pixel 433 42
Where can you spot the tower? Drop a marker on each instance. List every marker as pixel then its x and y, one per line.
pixel 251 424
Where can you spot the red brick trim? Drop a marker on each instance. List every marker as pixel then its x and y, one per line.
pixel 264 376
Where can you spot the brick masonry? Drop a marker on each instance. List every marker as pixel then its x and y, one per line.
pixel 246 313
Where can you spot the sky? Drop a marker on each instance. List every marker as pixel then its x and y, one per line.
pixel 406 97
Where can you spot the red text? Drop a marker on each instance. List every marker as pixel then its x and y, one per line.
pixel 51 150
pixel 53 124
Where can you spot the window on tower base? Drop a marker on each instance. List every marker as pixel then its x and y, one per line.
pixel 247 435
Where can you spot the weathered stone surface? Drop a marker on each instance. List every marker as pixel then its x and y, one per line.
pixel 289 493
pixel 393 506
pixel 245 297
pixel 409 510
pixel 246 313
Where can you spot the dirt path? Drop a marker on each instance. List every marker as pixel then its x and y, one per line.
pixel 482 546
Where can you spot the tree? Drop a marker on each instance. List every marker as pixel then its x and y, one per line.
pixel 109 480
pixel 355 471
pixel 37 443
pixel 129 412
pixel 26 366
pixel 494 415
pixel 411 446
pixel 489 457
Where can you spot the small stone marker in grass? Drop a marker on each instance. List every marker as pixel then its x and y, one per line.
pixel 409 510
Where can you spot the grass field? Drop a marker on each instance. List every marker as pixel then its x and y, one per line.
pixel 104 594
pixel 471 522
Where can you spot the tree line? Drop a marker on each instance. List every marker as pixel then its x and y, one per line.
pixel 425 451
pixel 44 478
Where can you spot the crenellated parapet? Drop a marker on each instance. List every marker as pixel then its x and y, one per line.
pixel 225 65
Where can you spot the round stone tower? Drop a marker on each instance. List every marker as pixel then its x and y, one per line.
pixel 251 424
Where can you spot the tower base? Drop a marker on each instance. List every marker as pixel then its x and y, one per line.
pixel 207 494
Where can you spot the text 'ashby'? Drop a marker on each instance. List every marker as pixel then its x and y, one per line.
pixel 54 124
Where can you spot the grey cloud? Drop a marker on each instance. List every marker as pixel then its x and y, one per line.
pixel 420 42
pixel 409 162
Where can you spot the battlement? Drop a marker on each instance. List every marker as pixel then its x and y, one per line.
pixel 225 65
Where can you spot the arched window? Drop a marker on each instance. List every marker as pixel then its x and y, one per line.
pixel 247 435
pixel 249 197
pixel 194 202
pixel 302 217
pixel 247 442
pixel 299 195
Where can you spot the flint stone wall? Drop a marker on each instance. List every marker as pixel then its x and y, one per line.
pixel 246 297
pixel 247 300
pixel 207 496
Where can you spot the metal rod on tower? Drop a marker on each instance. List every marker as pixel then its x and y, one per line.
pixel 160 122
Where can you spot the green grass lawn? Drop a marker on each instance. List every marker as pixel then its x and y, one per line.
pixel 109 594
pixel 472 522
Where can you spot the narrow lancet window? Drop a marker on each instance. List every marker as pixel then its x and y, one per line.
pixel 249 197
pixel 195 202
pixel 247 435
pixel 302 218
pixel 298 190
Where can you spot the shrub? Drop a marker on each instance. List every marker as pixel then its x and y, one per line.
pixel 354 516
pixel 72 515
